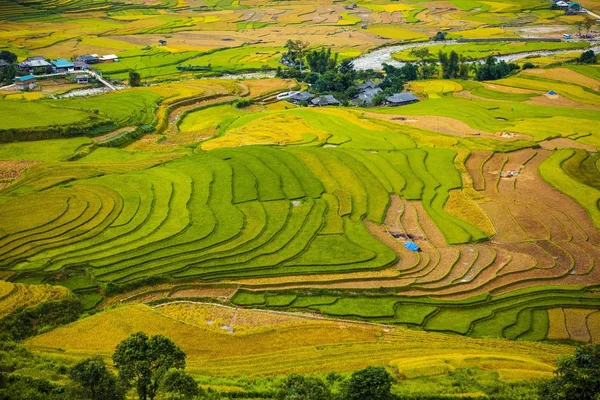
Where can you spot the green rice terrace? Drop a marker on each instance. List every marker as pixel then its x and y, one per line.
pixel 184 172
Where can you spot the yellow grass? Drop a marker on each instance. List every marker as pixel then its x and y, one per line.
pixel 396 32
pixel 557 330
pixel 19 295
pixel 272 129
pixel 293 344
pixel 461 206
pixel 565 75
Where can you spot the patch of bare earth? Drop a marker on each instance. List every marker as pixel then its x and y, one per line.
pixel 565 143
pixel 10 171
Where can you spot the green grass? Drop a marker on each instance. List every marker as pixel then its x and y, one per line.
pixel 17 114
pixel 43 150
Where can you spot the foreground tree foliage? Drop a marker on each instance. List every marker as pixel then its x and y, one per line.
pixel 368 384
pixel 96 381
pixel 144 361
pixel 298 387
pixel 179 386
pixel 577 377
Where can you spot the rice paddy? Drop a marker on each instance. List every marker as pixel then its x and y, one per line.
pixel 295 220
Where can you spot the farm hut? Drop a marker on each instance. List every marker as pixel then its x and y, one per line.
pixel 300 97
pixel 80 66
pixel 326 100
pixel 412 246
pixel 400 99
pixel 82 79
pixel 552 93
pixel 574 6
pixel 62 65
pixel 162 42
pixel 26 82
pixel 366 96
pixel 562 5
pixel 88 59
pixel 367 85
pixel 109 58
pixel 32 63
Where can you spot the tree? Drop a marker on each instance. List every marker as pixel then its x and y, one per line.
pixel 7 56
pixel 298 387
pixel 96 380
pixel 143 362
pixel 321 61
pixel 296 50
pixel 180 385
pixel 588 57
pixel 368 384
pixel 577 377
pixel 439 36
pixel 134 79
pixel 588 23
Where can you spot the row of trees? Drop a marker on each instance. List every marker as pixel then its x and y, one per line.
pixel 8 72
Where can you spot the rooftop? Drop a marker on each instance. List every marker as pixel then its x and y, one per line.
pixel 24 78
pixel 398 98
pixel 62 63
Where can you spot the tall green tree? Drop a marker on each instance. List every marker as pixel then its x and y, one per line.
pixel 180 386
pixel 134 79
pixel 298 387
pixel 144 361
pixel 576 378
pixel 369 384
pixel 7 56
pixel 97 382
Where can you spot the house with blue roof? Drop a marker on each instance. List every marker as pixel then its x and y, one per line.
pixel 62 65
pixel 26 82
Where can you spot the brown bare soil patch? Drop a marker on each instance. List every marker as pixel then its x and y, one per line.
pixel 565 143
pixel 113 134
pixel 507 89
pixel 575 321
pixel 12 170
pixel 565 75
pixel 559 101
pixel 474 165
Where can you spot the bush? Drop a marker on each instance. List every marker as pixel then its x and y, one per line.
pixel 588 57
pixel 242 103
pixel 528 65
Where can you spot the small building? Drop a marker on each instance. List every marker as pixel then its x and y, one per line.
pixel 63 65
pixel 400 99
pixel 574 6
pixel 300 97
pixel 325 100
pixel 26 82
pixel 162 42
pixel 82 79
pixel 88 59
pixel 562 5
pixel 412 246
pixel 32 63
pixel 80 66
pixel 367 85
pixel 366 97
pixel 109 58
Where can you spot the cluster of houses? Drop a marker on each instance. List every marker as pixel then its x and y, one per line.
pixel 368 91
pixel 570 7
pixel 38 65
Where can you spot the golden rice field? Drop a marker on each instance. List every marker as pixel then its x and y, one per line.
pixel 229 342
pixel 14 296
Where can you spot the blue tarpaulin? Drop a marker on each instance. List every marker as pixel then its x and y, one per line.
pixel 552 92
pixel 412 246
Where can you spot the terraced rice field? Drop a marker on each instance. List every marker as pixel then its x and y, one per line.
pixel 232 342
pixel 14 296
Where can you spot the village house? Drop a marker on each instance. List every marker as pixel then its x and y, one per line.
pixel 109 58
pixel 400 99
pixel 26 82
pixel 32 63
pixel 300 97
pixel 80 66
pixel 88 59
pixel 325 100
pixel 366 97
pixel 63 65
pixel 82 79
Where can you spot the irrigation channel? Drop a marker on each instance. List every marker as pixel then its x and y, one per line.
pixel 376 59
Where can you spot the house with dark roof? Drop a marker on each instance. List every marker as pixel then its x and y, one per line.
pixel 367 85
pixel 366 97
pixel 80 66
pixel 325 100
pixel 82 79
pixel 26 82
pixel 62 65
pixel 400 99
pixel 300 97
pixel 88 59
pixel 32 63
